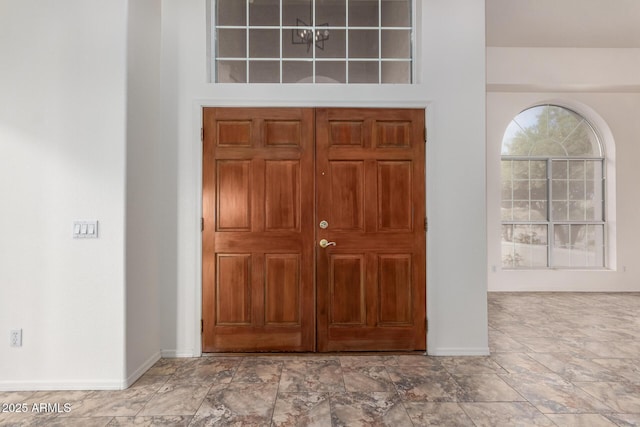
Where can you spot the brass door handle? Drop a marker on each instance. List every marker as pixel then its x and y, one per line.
pixel 324 243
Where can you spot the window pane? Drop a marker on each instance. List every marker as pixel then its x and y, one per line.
pixel 396 13
pixel 396 44
pixel 293 45
pixel 538 210
pixel 521 210
pixel 296 12
pixel 582 142
pixel 507 210
pixel 538 169
pixel 396 72
pixel 363 44
pixel 264 72
pixel 559 211
pixel 594 201
pixel 576 190
pixel 550 130
pixel 520 169
pixel 232 71
pixel 576 169
pixel 579 245
pixel 297 72
pixel 264 12
pixel 264 43
pixel 363 72
pixel 331 72
pixel 363 13
pixel 576 211
pixel 560 169
pixel 231 12
pixel 520 190
pixel 538 189
pixel 595 245
pixel 335 46
pixel 507 189
pixel 331 12
pixel 232 43
pixel 515 141
pixel 524 246
pixel 508 252
pixel 559 189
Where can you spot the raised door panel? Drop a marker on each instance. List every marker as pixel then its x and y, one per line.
pixel 394 289
pixel 395 201
pixel 346 133
pixel 347 195
pixel 233 195
pixel 233 289
pixel 396 134
pixel 347 290
pixel 282 195
pixel 282 289
pixel 282 133
pixel 233 133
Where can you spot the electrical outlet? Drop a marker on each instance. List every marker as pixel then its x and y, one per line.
pixel 15 338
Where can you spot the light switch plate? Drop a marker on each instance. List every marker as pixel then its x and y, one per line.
pixel 85 229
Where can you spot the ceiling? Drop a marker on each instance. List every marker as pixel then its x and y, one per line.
pixel 563 23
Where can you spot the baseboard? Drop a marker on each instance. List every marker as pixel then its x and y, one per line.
pixel 459 351
pixel 142 369
pixel 170 354
pixel 80 385
pixel 61 385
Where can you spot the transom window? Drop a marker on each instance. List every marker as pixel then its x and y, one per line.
pixel 552 191
pixel 312 41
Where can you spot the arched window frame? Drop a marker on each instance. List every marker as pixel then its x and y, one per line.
pixel 556 251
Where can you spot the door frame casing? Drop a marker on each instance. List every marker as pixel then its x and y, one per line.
pixel 198 106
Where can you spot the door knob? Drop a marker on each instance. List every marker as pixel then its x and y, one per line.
pixel 324 243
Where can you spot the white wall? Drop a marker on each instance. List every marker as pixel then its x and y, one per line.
pixel 604 86
pixel 144 234
pixel 452 85
pixel 62 158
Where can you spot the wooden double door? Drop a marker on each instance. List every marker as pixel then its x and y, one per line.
pixel 278 183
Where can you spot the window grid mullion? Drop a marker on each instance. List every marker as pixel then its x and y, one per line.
pixel 550 228
pixel 247 33
pixel 281 44
pixel 346 37
pixel 313 45
pixel 379 41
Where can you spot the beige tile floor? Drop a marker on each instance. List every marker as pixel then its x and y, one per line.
pixel 557 359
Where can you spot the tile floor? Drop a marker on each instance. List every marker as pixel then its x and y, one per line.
pixel 557 359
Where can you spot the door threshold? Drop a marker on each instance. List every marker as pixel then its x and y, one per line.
pixel 319 355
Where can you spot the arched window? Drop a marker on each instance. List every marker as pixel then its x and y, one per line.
pixel 553 200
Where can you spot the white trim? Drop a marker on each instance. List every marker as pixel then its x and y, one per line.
pixel 81 385
pixel 459 351
pixel 221 103
pixel 62 385
pixel 176 353
pixel 576 88
pixel 142 369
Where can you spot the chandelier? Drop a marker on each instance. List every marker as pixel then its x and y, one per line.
pixel 305 35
